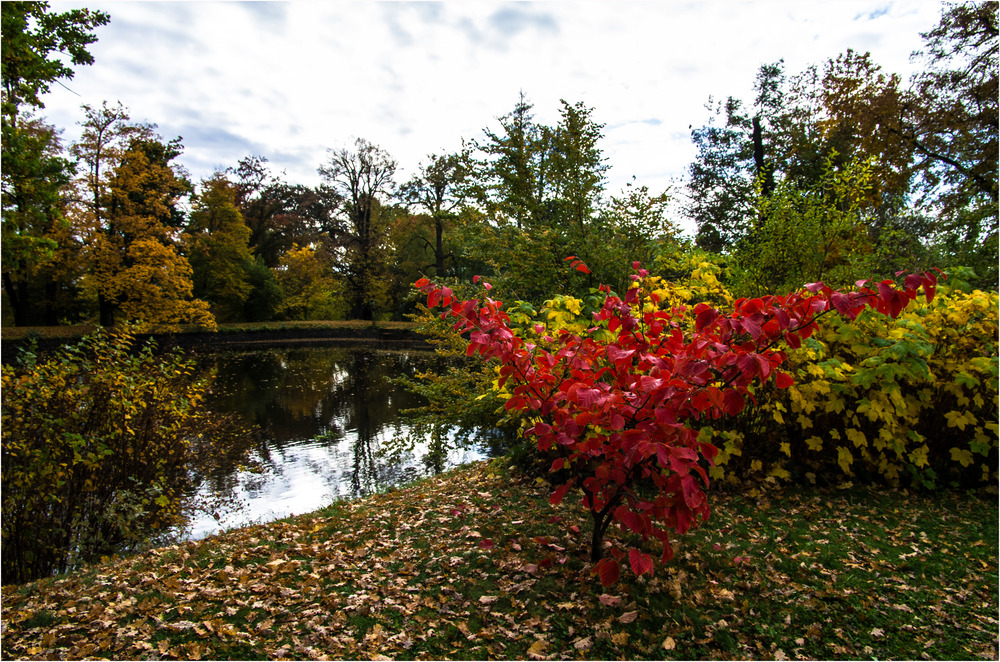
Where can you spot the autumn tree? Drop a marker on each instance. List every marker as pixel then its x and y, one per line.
pixel 361 177
pixel 616 408
pixel 309 290
pixel 102 443
pixel 216 245
pixel 38 48
pixel 279 214
pixel 138 271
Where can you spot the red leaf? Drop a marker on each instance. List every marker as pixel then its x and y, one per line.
pixel 733 401
pixel 582 267
pixel 632 520
pixel 558 495
pixel 705 318
pixel 608 571
pixel 486 544
pixel 783 379
pixel 641 563
pixel 793 340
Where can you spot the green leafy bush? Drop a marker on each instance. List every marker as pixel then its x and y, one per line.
pixel 102 443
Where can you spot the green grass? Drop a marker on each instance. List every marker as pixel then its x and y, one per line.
pixel 475 564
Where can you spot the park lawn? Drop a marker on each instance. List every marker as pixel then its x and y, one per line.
pixel 475 564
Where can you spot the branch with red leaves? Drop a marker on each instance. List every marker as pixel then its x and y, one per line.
pixel 622 413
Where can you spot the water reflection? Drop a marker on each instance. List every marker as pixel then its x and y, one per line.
pixel 326 414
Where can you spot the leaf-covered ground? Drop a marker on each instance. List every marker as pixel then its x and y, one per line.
pixel 476 565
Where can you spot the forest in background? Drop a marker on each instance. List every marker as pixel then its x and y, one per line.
pixel 839 172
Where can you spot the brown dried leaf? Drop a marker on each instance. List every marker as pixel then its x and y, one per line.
pixel 610 600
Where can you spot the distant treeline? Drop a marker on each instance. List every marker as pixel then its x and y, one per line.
pixel 837 172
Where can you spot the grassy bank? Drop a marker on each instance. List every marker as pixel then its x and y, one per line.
pixel 79 330
pixel 476 564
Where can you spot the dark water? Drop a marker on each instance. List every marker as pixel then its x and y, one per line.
pixel 328 416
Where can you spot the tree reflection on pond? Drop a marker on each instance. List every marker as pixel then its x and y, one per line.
pixel 326 414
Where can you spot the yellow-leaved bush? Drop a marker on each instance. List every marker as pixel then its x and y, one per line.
pixel 104 443
pixel 912 400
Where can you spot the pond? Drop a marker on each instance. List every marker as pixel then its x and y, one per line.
pixel 327 416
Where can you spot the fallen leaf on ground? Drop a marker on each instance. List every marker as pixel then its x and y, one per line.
pixel 537 650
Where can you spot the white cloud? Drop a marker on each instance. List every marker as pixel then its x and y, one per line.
pixel 289 80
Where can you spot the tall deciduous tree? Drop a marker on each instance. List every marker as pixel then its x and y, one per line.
pixel 361 176
pixel 310 291
pixel 36 45
pixel 540 189
pixel 38 48
pixel 137 270
pixel 732 157
pixel 577 163
pixel 280 214
pixel 439 190
pixel 216 244
pixel 511 174
pixel 951 122
pixel 108 133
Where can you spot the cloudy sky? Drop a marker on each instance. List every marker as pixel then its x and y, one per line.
pixel 288 80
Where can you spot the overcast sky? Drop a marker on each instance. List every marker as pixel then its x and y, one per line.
pixel 288 80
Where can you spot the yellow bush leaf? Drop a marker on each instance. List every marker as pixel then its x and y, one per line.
pixel 919 456
pixel 962 456
pixel 844 458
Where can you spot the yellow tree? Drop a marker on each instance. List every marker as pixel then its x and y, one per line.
pixel 137 270
pixel 306 278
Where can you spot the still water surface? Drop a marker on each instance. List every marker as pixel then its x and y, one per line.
pixel 327 414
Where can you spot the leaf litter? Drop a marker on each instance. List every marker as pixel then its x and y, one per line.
pixel 406 575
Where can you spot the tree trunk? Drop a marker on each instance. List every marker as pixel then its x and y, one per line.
pixel 107 311
pixel 17 294
pixel 761 167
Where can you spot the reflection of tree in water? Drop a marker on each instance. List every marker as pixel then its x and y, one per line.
pixel 320 395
